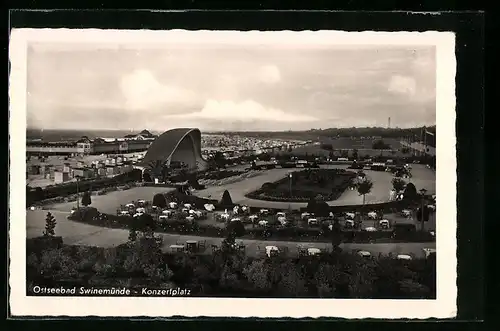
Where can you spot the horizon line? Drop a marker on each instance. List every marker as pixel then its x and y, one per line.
pixel 229 130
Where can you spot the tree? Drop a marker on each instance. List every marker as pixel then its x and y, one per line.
pixel 364 187
pixel 50 225
pixel 321 209
pixel 265 157
pixel 86 200
pixel 220 160
pixel 311 205
pixel 159 200
pixel 146 257
pixel 257 274
pixel 146 177
pixel 398 184
pixel 425 214
pixel 146 224
pixel 410 192
pixel 291 282
pixel 327 147
pixel 235 229
pixel 380 144
pixel 355 154
pixel 132 235
pixel 336 234
pixel 226 199
pixel 228 245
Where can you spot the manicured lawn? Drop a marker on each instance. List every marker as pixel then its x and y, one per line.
pixel 305 184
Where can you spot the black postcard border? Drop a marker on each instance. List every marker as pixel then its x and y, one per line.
pixel 470 31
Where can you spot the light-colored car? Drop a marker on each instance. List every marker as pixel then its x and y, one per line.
pixel 364 253
pixel 350 215
pixel 384 224
pixel 312 221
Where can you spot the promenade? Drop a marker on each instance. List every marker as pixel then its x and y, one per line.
pixel 75 233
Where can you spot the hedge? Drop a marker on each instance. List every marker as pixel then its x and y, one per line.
pixel 383 206
pixel 34 195
pixel 221 174
pixel 151 184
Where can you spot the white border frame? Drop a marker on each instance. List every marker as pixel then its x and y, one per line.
pixel 443 307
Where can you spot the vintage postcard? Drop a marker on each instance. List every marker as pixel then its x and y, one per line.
pixel 232 174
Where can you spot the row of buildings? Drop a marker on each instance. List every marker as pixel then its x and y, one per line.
pixel 67 172
pixel 241 144
pixel 86 146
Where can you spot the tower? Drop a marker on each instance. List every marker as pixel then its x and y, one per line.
pixel 389 123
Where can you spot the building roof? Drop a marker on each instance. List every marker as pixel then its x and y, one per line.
pixel 147 134
pixel 164 146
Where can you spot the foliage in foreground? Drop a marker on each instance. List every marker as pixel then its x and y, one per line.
pixel 230 273
pixel 50 225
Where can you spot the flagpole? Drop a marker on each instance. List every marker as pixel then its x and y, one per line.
pixel 422 138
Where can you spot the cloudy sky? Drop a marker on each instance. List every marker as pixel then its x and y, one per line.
pixel 228 87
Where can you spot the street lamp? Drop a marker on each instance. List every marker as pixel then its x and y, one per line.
pixel 422 192
pixel 290 176
pixel 77 192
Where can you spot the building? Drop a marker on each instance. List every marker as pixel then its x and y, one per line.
pixel 85 146
pixel 33 170
pixel 177 146
pixel 143 135
pixel 83 173
pixel 60 177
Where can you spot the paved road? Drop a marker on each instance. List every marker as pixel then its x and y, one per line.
pixel 422 178
pixel 75 233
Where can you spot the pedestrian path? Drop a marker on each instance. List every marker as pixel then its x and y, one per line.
pixel 75 233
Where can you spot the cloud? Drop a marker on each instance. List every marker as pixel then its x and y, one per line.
pixel 142 91
pixel 246 111
pixel 269 74
pixel 403 85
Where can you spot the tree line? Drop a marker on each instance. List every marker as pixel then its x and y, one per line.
pixel 339 132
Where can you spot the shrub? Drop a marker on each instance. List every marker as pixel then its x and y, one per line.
pixel 86 200
pixel 235 229
pixel 226 199
pixel 398 184
pixel 380 144
pixel 159 200
pixel 410 192
pixel 144 223
pixel 426 213
pixel 50 225
pixel 269 186
pixel 40 244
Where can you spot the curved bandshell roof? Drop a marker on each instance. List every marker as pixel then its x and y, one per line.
pixel 183 144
